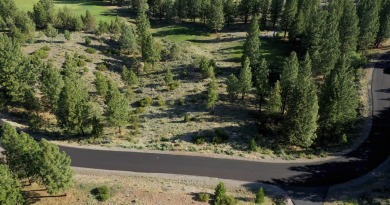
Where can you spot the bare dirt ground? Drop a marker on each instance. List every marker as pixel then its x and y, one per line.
pixel 137 189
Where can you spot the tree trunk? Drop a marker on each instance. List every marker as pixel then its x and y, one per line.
pixel 120 130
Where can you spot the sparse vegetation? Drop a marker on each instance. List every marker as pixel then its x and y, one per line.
pixel 101 193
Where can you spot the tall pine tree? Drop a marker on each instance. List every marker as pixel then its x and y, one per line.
pixel 245 78
pixel 302 115
pixel 117 110
pixel 384 23
pixel 252 42
pixel 261 82
pixel 348 27
pixel 289 14
pixel 288 79
pixel 368 12
pixel 216 16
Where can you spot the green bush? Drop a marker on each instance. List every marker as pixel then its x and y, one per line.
pixel 187 118
pixel 101 193
pixel 220 136
pixel 225 200
pixel 83 57
pixel 41 54
pixel 173 85
pixel 160 101
pixel 145 102
pixel 199 139
pixel 260 196
pixel 253 145
pixel 181 102
pixel 90 50
pixel 203 197
pixel 101 67
pixel 89 60
pixel 46 48
pixel 87 41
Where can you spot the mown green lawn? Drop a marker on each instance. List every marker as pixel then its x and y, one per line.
pixel 101 10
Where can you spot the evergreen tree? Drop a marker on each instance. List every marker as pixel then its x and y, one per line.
pixel 245 7
pixel 289 14
pixel 73 105
pixel 88 21
pixel 302 115
pixel 348 28
pixel 117 110
pixel 233 87
pixel 55 171
pixel 168 78
pixel 245 78
pixel 275 100
pixel 288 79
pixel 260 196
pixel 67 35
pixel 150 51
pixel 143 24
pixel 212 95
pixel 216 16
pixel 39 15
pixel 10 188
pixel 329 45
pixel 230 11
pixel 127 39
pixel 51 84
pixel 101 84
pixel 261 81
pixel 264 10
pixel 51 32
pixel 297 27
pixel 204 9
pixel 252 42
pixel 384 23
pixel 276 11
pixel 339 102
pixel 368 12
pixel 220 191
pixel 129 77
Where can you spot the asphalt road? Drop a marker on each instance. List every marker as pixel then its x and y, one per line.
pixel 305 182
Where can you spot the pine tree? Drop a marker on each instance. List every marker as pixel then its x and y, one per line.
pixel 220 191
pixel 168 78
pixel 129 77
pixel 39 15
pixel 55 171
pixel 233 87
pixel 348 28
pixel 276 11
pixel 245 78
pixel 289 14
pixel 89 21
pixel 329 45
pixel 384 23
pixel 230 11
pixel 143 24
pixel 73 105
pixel 297 27
pixel 67 35
pixel 51 84
pixel 51 32
pixel 252 42
pixel 127 39
pixel 216 18
pixel 10 188
pixel 368 12
pixel 302 115
pixel 264 10
pixel 339 102
pixel 260 196
pixel 275 100
pixel 117 110
pixel 212 95
pixel 150 52
pixel 261 81
pixel 245 7
pixel 101 83
pixel 288 79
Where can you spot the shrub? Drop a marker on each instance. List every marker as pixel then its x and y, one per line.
pixel 89 60
pixel 187 118
pixel 160 101
pixel 83 57
pixel 81 63
pixel 220 136
pixel 199 139
pixel 90 50
pixel 145 102
pixel 181 102
pixel 41 54
pixel 260 196
pixel 203 197
pixel 225 200
pixel 253 145
pixel 87 41
pixel 101 193
pixel 344 139
pixel 67 35
pixel 46 48
pixel 173 85
pixel 101 67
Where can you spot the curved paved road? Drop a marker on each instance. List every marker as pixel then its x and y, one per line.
pixel 322 174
